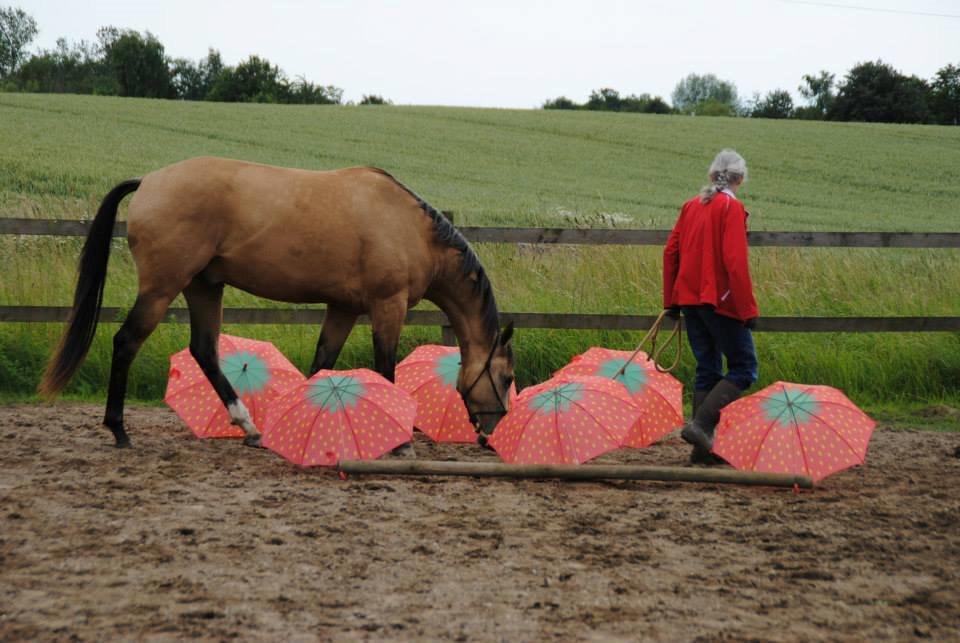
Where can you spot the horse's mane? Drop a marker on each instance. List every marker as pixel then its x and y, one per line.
pixel 448 235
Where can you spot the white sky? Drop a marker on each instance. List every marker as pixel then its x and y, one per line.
pixel 518 53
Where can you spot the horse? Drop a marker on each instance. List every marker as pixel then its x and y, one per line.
pixel 355 239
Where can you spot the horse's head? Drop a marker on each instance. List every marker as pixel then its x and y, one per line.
pixel 485 385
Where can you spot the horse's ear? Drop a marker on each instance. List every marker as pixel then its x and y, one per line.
pixel 506 334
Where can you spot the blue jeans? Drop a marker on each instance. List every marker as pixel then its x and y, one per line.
pixel 713 337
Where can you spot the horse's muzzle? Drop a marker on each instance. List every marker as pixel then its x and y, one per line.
pixel 484 422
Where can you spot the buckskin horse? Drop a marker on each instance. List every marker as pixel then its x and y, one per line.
pixel 356 239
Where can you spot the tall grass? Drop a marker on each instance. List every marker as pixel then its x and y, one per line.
pixel 60 154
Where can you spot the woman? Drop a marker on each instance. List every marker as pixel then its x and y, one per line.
pixel 707 276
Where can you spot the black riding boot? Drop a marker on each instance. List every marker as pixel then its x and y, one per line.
pixel 699 430
pixel 698 398
pixel 698 455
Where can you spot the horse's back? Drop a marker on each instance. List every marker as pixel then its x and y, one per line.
pixel 319 235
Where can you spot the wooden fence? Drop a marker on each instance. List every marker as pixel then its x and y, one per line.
pixel 571 321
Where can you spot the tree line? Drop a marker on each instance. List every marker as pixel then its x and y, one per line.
pixel 123 62
pixel 870 92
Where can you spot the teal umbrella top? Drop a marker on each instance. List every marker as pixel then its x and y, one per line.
pixel 335 393
pixel 246 372
pixel 791 407
pixel 557 399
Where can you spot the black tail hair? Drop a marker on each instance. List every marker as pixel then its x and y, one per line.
pixel 88 297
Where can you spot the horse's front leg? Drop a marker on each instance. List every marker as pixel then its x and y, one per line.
pixel 337 325
pixel 205 302
pixel 386 318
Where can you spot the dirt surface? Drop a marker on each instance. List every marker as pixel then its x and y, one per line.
pixel 184 538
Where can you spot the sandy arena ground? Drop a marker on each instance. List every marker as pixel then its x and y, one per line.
pixel 181 538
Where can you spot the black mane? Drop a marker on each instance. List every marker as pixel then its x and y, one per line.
pixel 448 235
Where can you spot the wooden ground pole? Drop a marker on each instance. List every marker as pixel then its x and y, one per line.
pixel 571 472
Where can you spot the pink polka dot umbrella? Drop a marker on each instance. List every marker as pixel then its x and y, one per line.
pixel 257 370
pixel 339 415
pixel 794 428
pixel 429 374
pixel 659 396
pixel 568 419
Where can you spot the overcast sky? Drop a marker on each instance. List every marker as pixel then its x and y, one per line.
pixel 518 53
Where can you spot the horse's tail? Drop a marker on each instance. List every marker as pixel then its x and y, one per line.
pixel 88 297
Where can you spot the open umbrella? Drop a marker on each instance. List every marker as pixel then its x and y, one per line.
pixel 429 374
pixel 568 419
pixel 658 395
pixel 339 415
pixel 256 370
pixel 794 428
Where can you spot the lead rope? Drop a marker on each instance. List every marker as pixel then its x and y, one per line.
pixel 655 353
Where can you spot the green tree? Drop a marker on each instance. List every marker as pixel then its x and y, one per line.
pixel 610 100
pixel 706 94
pixel 656 105
pixel 776 104
pixel 186 80
pixel 560 103
pixel 253 80
pixel 875 92
pixel 76 68
pixel 17 31
pixel 137 61
pixel 375 99
pixel 303 92
pixel 644 104
pixel 714 107
pixel 818 90
pixel 604 100
pixel 193 81
pixel 945 95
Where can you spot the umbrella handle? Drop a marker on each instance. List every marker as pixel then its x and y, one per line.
pixel 654 352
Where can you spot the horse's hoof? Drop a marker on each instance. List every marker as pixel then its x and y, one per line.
pixel 122 443
pixel 252 441
pixel 484 441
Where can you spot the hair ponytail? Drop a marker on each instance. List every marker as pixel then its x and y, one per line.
pixel 727 168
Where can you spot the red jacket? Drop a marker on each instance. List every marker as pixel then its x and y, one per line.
pixel 705 259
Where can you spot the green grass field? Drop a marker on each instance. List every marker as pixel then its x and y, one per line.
pixel 60 154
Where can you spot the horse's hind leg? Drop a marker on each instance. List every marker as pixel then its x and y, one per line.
pixel 205 302
pixel 147 311
pixel 337 325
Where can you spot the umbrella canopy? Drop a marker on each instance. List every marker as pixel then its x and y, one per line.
pixel 568 419
pixel 429 374
pixel 659 396
pixel 256 370
pixel 339 415
pixel 794 428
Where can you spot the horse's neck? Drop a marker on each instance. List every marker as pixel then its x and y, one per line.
pixel 455 296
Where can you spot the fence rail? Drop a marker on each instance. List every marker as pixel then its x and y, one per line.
pixel 563 321
pixel 581 236
pixel 560 321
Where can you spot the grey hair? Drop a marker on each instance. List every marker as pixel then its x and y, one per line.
pixel 728 167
